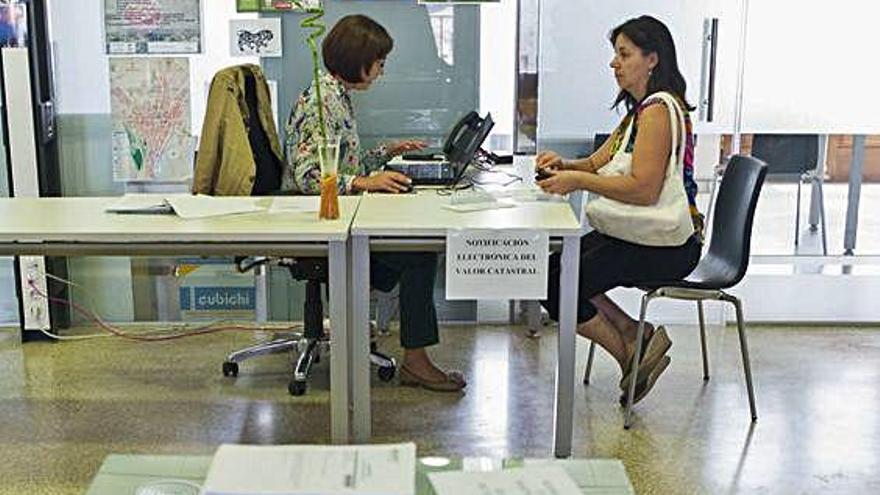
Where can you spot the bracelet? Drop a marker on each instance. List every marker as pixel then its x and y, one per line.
pixel 591 167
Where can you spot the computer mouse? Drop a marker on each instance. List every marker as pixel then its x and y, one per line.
pixel 408 188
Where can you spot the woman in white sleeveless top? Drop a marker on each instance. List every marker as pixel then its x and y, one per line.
pixel 642 203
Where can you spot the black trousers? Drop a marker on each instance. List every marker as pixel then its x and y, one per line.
pixel 416 273
pixel 607 262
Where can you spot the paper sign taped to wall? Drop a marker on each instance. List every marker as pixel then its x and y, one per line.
pixel 497 264
pixel 255 37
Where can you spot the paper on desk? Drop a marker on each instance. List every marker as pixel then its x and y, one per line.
pixel 312 470
pixel 595 474
pixel 469 207
pixel 189 207
pixel 139 203
pixel 517 481
pixel 295 204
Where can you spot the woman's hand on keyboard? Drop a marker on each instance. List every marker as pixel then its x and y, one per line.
pixel 401 147
pixel 387 181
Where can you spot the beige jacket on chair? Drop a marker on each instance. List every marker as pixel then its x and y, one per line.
pixel 225 163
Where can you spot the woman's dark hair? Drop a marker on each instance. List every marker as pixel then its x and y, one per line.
pixel 354 44
pixel 652 36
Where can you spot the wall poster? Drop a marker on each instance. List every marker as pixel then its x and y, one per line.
pixel 13 25
pixel 152 26
pixel 150 108
pixel 255 37
pixel 272 5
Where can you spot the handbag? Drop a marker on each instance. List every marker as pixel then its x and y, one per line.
pixel 668 221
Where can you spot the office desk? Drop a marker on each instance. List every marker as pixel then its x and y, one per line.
pixel 123 474
pixel 416 222
pixel 80 227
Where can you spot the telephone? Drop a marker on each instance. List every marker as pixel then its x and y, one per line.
pixel 459 149
pixel 466 137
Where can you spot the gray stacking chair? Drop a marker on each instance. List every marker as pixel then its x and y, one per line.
pixel 722 267
pixel 792 158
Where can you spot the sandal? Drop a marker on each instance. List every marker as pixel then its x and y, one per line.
pixel 453 381
pixel 653 349
pixel 643 387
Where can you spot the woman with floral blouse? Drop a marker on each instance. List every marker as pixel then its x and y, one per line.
pixel 354 54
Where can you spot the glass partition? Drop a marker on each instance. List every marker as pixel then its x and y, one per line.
pixel 577 86
pixel 447 60
pixel 811 78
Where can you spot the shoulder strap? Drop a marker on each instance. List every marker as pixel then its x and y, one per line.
pixel 676 122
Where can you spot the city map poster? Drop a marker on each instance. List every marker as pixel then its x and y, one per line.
pixel 150 107
pixel 272 5
pixel 152 26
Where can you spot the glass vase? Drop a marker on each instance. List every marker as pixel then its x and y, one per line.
pixel 328 154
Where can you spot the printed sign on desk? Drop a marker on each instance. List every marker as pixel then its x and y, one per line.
pixel 497 264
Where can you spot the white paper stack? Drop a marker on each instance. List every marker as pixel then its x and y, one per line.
pixel 140 204
pixel 551 480
pixel 312 470
pixel 186 206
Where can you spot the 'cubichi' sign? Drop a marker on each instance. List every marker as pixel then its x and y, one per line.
pixel 496 264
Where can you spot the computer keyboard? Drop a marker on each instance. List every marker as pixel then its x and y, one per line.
pixel 424 173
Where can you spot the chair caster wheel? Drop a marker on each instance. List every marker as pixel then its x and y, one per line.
pixel 230 369
pixel 296 388
pixel 386 373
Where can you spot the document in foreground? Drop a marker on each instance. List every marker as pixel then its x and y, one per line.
pixel 312 470
pixel 517 481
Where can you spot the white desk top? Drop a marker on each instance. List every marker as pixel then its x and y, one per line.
pixel 421 215
pixel 84 220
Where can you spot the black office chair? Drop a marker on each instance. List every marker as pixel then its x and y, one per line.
pixel 721 268
pixel 314 271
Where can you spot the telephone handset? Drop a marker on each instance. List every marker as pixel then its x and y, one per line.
pixel 472 119
pixel 466 137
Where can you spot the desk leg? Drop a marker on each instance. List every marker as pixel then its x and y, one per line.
pixel 854 195
pixel 566 347
pixel 340 392
pixel 359 338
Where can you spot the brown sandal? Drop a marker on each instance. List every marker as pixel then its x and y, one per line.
pixel 653 349
pixel 453 381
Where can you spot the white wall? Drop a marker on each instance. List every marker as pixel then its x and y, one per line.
pixel 577 87
pixel 497 63
pixel 812 67
pixel 82 75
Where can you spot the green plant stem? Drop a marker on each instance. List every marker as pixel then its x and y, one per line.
pixel 314 22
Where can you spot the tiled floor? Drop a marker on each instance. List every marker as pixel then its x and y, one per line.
pixel 67 405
